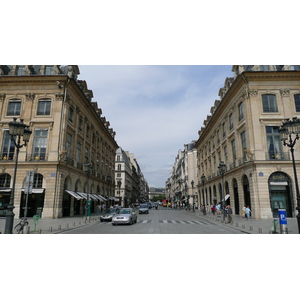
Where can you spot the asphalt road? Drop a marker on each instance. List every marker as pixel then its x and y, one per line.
pixel 161 221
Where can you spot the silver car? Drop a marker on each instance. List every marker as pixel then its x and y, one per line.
pixel 125 216
pixel 108 214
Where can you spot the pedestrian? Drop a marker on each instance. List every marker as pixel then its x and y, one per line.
pixel 99 209
pixel 229 213
pixel 248 212
pixel 244 211
pixel 218 207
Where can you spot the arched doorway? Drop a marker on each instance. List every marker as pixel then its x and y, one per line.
pixel 281 194
pixel 246 189
pixel 236 196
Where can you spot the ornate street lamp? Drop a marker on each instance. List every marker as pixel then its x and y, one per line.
pixel 222 170
pixel 203 179
pixel 16 130
pixel 287 130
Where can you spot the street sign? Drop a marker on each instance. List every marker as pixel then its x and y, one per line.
pixel 282 221
pixel 29 182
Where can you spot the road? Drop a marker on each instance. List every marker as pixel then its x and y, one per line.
pixel 161 221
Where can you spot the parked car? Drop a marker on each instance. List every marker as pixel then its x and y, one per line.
pixel 108 214
pixel 144 208
pixel 125 216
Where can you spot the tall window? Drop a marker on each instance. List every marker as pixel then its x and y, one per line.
pixel 269 103
pixel 119 167
pixel 297 102
pixel 14 107
pixel 233 149
pixel 71 114
pixel 80 124
pixel 21 70
pixel 8 147
pixel 78 152
pixel 273 142
pixel 225 155
pixel 44 107
pixel 241 111
pixel 40 144
pixel 244 144
pixel 69 144
pixel 224 129
pixel 231 122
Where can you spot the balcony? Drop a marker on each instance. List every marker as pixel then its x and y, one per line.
pixel 36 157
pixel 277 156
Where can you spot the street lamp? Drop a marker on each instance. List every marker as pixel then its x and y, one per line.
pixel 222 170
pixel 16 130
pixel 119 183
pixel 289 128
pixel 203 179
pixel 192 183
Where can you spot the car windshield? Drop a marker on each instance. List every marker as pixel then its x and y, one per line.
pixel 110 210
pixel 124 211
pixel 144 206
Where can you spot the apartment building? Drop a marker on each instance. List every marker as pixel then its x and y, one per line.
pixel 72 147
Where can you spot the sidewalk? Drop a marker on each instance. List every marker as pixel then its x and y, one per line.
pixel 252 226
pixel 53 226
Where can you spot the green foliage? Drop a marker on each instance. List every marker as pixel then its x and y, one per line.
pixel 158 198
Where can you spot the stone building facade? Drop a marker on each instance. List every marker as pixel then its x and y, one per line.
pixel 242 132
pixel 71 149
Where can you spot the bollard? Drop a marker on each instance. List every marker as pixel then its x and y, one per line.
pixel 250 228
pixel 67 225
pixel 243 226
pixel 50 229
pixel 40 231
pixel 26 229
pixel 73 223
pixel 259 230
pixel 236 224
pixel 59 227
pixel 79 222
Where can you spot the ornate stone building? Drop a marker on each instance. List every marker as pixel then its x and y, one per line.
pixel 71 149
pixel 242 131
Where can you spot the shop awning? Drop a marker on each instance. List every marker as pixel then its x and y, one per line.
pixel 226 197
pixel 75 195
pixel 5 190
pixel 35 191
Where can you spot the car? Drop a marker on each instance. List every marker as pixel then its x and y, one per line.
pixel 149 204
pixel 108 214
pixel 144 208
pixel 125 216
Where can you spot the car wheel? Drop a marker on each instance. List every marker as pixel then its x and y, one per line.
pixel 113 224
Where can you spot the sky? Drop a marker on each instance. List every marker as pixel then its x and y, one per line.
pixel 155 109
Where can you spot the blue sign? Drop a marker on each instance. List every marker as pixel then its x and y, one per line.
pixel 282 216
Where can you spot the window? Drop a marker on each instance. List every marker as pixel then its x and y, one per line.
pixel 233 149
pixel 14 107
pixel 224 129
pixel 87 131
pixel 274 145
pixel 269 103
pixel 78 152
pixel 37 181
pixel 80 123
pixel 244 144
pixel 241 111
pixel 20 70
pixel 49 70
pixel 40 144
pixel 297 102
pixel 119 175
pixel 5 180
pixel 44 107
pixel 264 68
pixel 231 122
pixel 118 158
pixel 69 144
pixel 71 114
pixel 8 147
pixel 225 155
pixel 119 167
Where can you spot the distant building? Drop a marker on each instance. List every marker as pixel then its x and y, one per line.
pixel 156 192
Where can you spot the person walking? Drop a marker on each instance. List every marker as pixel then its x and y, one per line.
pixel 213 209
pixel 244 211
pixel 229 213
pixel 218 207
pixel 248 212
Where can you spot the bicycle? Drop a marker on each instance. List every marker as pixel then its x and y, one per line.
pixel 20 226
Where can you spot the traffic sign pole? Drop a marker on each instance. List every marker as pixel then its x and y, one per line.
pixel 282 221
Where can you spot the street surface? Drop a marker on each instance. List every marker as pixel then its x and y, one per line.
pixel 161 221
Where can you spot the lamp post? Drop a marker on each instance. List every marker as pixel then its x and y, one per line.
pixel 203 179
pixel 192 184
pixel 88 167
pixel 287 130
pixel 16 130
pixel 222 169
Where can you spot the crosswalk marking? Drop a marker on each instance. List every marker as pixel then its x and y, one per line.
pixel 186 222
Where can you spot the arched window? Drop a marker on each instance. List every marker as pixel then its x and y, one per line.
pixel 38 181
pixel 5 180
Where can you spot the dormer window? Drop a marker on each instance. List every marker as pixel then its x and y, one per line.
pixel 49 70
pixel 21 70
